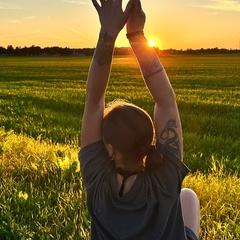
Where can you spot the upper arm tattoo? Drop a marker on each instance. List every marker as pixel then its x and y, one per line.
pixel 104 49
pixel 171 139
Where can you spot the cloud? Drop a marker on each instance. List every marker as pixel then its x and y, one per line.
pixel 6 6
pixel 18 34
pixel 222 5
pixel 29 18
pixel 211 13
pixel 74 30
pixel 81 2
pixel 14 21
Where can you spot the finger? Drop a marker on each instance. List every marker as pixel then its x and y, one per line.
pixel 138 4
pixel 129 8
pixel 138 7
pixel 103 1
pixel 96 5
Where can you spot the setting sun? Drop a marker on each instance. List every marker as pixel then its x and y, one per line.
pixel 40 25
pixel 151 43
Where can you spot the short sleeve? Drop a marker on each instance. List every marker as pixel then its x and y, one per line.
pixel 93 160
pixel 171 174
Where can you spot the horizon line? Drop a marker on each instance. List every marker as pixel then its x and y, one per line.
pixel 155 47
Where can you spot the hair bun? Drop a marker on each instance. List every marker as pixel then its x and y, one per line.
pixel 154 158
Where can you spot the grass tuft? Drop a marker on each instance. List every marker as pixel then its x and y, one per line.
pixel 42 196
pixel 218 192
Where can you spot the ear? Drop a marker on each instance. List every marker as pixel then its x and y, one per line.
pixel 110 150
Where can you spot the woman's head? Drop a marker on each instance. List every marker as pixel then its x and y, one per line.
pixel 129 130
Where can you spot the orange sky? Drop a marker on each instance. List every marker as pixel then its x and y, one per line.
pixel 74 23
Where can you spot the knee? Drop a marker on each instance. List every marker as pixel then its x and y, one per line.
pixel 188 195
pixel 190 209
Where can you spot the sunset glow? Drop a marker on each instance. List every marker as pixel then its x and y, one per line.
pixel 151 43
pixel 75 24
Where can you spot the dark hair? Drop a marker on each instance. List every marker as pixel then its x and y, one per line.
pixel 129 129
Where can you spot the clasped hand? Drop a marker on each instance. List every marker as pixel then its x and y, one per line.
pixel 113 18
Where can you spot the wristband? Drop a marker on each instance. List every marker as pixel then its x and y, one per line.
pixel 135 34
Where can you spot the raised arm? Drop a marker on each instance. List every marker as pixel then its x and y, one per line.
pixel 112 20
pixel 166 116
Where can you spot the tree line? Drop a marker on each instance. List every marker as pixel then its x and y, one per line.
pixel 59 51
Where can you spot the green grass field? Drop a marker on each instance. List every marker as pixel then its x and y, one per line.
pixel 41 105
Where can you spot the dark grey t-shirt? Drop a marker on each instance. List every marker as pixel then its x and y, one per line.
pixel 151 210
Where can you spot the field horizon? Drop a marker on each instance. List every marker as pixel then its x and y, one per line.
pixel 45 97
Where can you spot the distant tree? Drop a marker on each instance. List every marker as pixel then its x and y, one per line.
pixel 10 50
pixel 2 50
pixel 18 51
pixel 35 50
pixel 123 51
pixel 66 51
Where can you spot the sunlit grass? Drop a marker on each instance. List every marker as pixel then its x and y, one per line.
pixel 219 197
pixel 42 196
pixel 41 106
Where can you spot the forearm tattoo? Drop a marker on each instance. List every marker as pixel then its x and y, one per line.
pixel 170 137
pixel 147 58
pixel 104 49
pixel 151 70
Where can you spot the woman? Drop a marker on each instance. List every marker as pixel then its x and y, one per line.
pixel 133 185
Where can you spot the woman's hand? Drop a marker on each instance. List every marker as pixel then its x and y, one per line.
pixel 112 17
pixel 137 18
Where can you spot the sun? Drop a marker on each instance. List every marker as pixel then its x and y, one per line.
pixel 151 43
